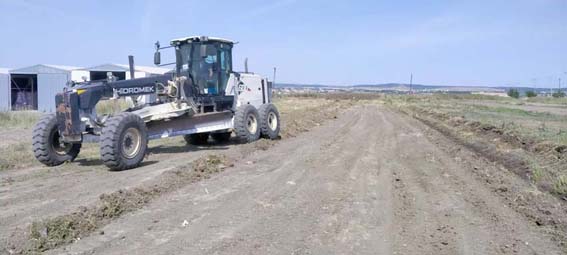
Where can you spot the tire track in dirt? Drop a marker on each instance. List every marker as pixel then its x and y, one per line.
pixel 370 182
pixel 453 212
pixel 61 191
pixel 34 194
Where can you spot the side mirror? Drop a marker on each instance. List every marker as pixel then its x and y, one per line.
pixel 203 50
pixel 157 58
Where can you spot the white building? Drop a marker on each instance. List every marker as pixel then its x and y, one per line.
pixel 4 89
pixel 35 87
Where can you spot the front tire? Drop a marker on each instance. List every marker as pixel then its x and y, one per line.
pixel 246 124
pixel 124 141
pixel 47 145
pixel 269 121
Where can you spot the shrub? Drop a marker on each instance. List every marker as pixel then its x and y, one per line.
pixel 531 93
pixel 559 94
pixel 514 93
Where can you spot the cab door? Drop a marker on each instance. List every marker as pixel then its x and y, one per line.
pixel 225 66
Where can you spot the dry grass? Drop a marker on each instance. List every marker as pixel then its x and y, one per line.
pixel 528 143
pixel 548 100
pixel 18 119
pixel 537 125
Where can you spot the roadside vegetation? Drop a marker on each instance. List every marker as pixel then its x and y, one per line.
pixel 18 119
pixel 513 93
pixel 531 144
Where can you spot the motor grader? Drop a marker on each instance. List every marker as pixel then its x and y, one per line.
pixel 202 98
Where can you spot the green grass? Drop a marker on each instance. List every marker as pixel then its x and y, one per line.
pixel 560 186
pixel 537 174
pixel 516 112
pixel 543 128
pixel 548 100
pixel 540 125
pixel 18 119
pixel 440 96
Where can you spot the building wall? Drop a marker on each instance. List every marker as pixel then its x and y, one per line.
pixel 77 75
pixel 48 85
pixel 136 75
pixel 5 97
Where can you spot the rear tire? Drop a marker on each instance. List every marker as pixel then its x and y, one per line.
pixel 269 121
pixel 47 147
pixel 247 124
pixel 221 137
pixel 124 141
pixel 197 139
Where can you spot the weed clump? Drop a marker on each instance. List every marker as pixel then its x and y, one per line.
pixel 560 186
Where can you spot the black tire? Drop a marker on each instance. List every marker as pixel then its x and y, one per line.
pixel 245 119
pixel 269 121
pixel 46 145
pixel 221 137
pixel 124 141
pixel 197 139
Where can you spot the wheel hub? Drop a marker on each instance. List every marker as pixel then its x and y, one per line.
pixel 131 143
pixel 58 145
pixel 251 124
pixel 272 121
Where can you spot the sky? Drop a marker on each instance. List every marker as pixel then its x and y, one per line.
pixel 472 43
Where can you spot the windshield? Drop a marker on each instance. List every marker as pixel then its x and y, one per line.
pixel 201 61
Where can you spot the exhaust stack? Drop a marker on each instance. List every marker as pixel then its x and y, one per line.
pixel 131 64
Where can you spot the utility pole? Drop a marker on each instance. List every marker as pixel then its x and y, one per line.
pixel 274 81
pixel 410 83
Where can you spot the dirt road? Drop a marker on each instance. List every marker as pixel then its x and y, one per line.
pixel 370 182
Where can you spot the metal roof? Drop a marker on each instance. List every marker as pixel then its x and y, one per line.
pixel 125 68
pixel 108 68
pixel 43 68
pixel 66 68
pixel 199 39
pixel 147 69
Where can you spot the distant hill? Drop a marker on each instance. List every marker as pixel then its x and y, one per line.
pixel 421 87
pixel 291 85
pixel 406 87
